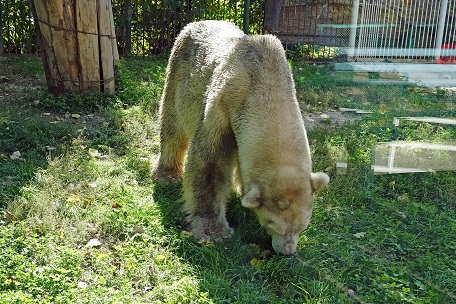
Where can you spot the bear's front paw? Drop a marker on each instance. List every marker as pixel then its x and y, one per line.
pixel 207 229
pixel 166 176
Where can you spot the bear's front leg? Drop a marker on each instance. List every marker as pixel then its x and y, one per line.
pixel 206 184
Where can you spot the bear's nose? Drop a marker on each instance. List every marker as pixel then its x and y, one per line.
pixel 285 245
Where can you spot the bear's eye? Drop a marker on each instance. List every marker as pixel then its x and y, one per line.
pixel 283 205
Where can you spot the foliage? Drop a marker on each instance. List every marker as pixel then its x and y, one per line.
pixel 18 27
pixel 314 52
pixel 84 223
pixel 156 24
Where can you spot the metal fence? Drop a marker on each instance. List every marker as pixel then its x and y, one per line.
pixel 361 29
pixel 404 29
pixel 315 22
pixel 155 24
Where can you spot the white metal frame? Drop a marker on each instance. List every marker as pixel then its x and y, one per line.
pixel 424 24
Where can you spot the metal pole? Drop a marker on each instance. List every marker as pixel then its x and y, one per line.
pixel 440 28
pixel 128 16
pixel 246 16
pixel 1 30
pixel 353 25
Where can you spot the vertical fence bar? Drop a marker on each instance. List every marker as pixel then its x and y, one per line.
pixel 388 29
pixel 426 32
pixel 361 30
pixel 378 27
pixel 369 29
pixel 1 29
pixel 397 25
pixel 435 19
pixel 449 34
pixel 128 11
pixel 246 16
pixel 414 28
pixel 418 28
pixel 383 27
pixel 353 27
pixel 452 24
pixel 440 28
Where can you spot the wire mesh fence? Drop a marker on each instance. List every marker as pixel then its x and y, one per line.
pixel 155 24
pixel 313 29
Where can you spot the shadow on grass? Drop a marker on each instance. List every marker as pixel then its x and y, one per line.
pixel 246 227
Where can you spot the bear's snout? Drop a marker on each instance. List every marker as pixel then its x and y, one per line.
pixel 285 245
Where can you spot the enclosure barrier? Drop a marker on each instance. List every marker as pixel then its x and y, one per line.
pixel 418 29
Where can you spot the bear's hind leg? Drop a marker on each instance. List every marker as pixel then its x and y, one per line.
pixel 173 147
pixel 207 183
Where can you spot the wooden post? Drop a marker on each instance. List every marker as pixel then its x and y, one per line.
pixel 109 55
pixel 77 44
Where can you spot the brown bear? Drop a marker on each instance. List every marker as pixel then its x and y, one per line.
pixel 229 98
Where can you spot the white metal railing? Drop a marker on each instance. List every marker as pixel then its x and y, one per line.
pixel 418 29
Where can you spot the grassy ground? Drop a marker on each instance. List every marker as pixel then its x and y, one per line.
pixel 81 221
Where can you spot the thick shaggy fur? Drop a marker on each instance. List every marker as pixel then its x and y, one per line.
pixel 230 100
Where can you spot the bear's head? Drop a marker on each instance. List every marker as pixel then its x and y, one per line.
pixel 284 205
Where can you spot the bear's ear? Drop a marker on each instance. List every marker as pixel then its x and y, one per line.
pixel 318 181
pixel 252 198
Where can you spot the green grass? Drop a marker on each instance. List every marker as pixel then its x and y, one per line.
pixel 387 238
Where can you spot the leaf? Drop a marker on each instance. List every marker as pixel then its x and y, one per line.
pixel 256 262
pixel 206 243
pixel 94 152
pixel 94 243
pixel 160 258
pixel 73 198
pixel 8 215
pixel 75 116
pixel 186 234
pixel 359 235
pixel 136 279
pixel 16 155
pixel 116 206
pixel 138 229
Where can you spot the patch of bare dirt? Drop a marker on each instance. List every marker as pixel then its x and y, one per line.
pixel 332 117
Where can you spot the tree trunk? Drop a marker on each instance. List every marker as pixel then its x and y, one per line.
pixel 78 44
pixel 272 11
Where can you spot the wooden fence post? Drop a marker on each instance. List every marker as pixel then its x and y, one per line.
pixel 78 44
